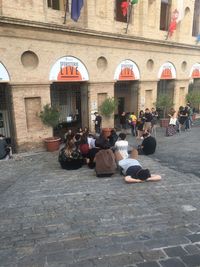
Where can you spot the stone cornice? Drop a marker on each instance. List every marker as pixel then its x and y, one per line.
pixel 87 32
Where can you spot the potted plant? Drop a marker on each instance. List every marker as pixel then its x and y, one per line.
pixel 194 99
pixel 50 117
pixel 164 103
pixel 107 109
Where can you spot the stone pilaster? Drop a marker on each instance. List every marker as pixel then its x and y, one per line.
pixel 28 100
pixel 180 92
pixel 96 92
pixel 147 94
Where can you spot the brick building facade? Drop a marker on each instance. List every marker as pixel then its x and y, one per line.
pixel 76 65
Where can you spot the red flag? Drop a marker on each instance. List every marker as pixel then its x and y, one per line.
pixel 172 27
pixel 124 7
pixel 173 23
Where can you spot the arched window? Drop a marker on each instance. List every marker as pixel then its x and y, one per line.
pixel 196 18
pixel 165 10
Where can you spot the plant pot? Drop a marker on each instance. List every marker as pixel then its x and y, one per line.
pixel 52 143
pixel 106 132
pixel 164 122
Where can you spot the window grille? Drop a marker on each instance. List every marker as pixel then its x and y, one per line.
pixel 165 14
pixel 196 18
pixel 56 4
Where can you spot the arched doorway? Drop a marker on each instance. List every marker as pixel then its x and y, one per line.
pixel 69 93
pixel 126 88
pixel 6 126
pixel 166 83
pixel 194 85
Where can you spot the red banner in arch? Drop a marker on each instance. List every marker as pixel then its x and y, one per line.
pixel 126 74
pixel 166 74
pixel 196 73
pixel 69 73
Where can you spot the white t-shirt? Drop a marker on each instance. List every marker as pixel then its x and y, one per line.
pixel 122 147
pixel 126 163
pixel 91 142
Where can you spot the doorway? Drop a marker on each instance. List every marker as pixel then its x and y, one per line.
pixel 6 125
pixel 72 101
pixel 126 94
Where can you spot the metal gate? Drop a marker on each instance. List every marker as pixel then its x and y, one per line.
pixel 72 101
pixel 6 126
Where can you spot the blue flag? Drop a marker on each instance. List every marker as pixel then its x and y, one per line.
pixel 76 9
pixel 198 38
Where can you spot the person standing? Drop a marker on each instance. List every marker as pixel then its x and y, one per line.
pixel 123 121
pixel 140 124
pixel 154 121
pixel 97 122
pixel 133 121
pixel 148 119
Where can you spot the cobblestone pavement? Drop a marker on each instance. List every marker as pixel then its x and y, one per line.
pixel 57 218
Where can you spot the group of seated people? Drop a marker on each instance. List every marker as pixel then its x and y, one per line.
pixel 106 154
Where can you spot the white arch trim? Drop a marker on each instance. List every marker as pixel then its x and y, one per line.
pixel 167 71
pixel 4 75
pixel 195 71
pixel 68 69
pixel 127 70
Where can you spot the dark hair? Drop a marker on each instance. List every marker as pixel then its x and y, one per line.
pixel 77 137
pixel 143 174
pixel 122 136
pixel 102 143
pixel 83 139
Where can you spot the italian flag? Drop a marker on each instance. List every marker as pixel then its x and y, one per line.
pixel 125 6
pixel 177 16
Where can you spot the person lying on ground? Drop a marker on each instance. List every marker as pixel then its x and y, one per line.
pixel 133 171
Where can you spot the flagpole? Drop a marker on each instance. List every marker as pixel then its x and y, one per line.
pixel 66 10
pixel 129 18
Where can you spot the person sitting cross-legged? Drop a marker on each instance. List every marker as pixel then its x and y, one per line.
pixel 70 157
pixel 132 169
pixel 148 145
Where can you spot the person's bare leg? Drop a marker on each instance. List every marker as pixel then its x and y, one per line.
pixel 154 178
pixel 129 179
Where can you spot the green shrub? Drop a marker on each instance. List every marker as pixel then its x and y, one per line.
pixel 50 116
pixel 193 97
pixel 164 103
pixel 108 106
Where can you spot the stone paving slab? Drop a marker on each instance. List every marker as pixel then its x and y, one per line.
pixel 50 217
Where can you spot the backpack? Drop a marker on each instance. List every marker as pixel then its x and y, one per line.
pixel 105 163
